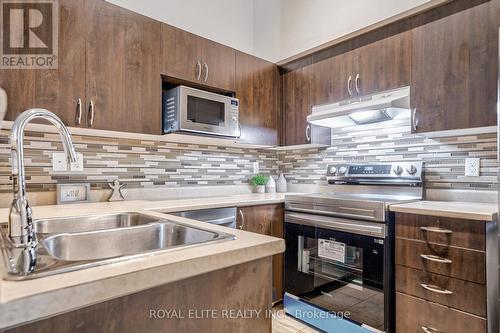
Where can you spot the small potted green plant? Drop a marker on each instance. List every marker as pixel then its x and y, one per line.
pixel 259 182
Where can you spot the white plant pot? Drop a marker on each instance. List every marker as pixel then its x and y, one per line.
pixel 260 189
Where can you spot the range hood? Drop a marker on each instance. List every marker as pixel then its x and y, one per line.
pixel 387 105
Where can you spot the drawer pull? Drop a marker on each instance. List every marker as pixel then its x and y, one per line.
pixel 436 230
pixel 436 289
pixel 435 258
pixel 430 330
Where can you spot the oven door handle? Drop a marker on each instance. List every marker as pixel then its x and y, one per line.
pixel 333 223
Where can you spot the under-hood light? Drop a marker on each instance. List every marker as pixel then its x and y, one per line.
pixel 394 104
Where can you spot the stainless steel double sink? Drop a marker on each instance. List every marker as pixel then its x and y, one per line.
pixel 67 244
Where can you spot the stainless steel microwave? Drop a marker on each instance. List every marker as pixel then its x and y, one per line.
pixel 187 109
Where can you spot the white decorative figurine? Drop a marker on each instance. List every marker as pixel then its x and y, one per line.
pixel 117 194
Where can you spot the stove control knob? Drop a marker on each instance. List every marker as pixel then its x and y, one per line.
pixel 412 170
pixel 398 170
pixel 333 170
pixel 342 170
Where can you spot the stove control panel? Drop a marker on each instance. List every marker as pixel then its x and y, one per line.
pixel 394 172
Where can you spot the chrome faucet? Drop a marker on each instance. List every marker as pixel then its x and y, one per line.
pixel 21 229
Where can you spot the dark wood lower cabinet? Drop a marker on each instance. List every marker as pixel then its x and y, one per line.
pixel 266 220
pixel 244 286
pixel 445 260
pixel 454 293
pixel 415 315
pixel 442 280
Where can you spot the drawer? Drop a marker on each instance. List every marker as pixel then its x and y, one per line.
pixel 455 293
pixel 414 315
pixel 445 260
pixel 441 230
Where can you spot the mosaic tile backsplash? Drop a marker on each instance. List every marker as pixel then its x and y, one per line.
pixel 444 158
pixel 148 163
pixel 139 163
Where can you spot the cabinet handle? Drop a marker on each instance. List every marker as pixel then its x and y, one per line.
pixel 436 259
pixel 308 133
pixel 91 112
pixel 436 289
pixel 206 72
pixel 436 230
pixel 356 85
pixel 242 219
pixel 197 71
pixel 414 119
pixel 79 111
pixel 430 330
pixel 349 91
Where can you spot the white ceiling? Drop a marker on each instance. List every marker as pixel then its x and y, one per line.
pixel 270 29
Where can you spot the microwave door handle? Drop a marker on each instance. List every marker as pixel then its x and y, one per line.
pixel 239 130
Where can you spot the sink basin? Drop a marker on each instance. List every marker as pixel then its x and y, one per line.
pixel 90 223
pixel 73 243
pixel 103 244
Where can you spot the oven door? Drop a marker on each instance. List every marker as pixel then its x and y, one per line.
pixel 205 112
pixel 337 265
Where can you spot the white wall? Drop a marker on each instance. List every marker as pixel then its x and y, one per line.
pixel 229 22
pixel 305 24
pixel 270 29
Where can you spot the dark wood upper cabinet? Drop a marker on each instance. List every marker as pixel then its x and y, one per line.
pixel 328 80
pixel 218 68
pixel 384 65
pixel 297 104
pixel 376 67
pixel 454 70
pixel 62 91
pixel 123 70
pixel 181 53
pixel 57 90
pixel 192 58
pixel 257 88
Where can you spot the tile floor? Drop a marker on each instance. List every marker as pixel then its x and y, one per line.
pixel 286 324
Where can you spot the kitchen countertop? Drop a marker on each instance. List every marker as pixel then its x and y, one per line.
pixel 23 301
pixel 454 209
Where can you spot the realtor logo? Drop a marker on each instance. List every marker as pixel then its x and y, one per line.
pixel 29 34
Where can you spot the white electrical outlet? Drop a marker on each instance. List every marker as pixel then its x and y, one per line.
pixel 59 162
pixel 472 167
pixel 255 168
pixel 78 165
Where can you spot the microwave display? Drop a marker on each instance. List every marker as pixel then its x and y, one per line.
pixel 205 111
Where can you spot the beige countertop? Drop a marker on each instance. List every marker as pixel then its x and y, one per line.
pixel 454 209
pixel 22 301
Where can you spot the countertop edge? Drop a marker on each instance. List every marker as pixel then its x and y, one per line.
pixel 101 290
pixel 419 208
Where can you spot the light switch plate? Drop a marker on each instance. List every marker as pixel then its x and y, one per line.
pixel 59 162
pixel 78 165
pixel 472 167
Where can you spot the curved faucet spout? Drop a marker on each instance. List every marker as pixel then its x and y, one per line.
pixel 21 230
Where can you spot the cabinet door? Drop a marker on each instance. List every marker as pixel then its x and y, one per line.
pixel 58 89
pixel 266 220
pixel 297 105
pixel 257 88
pixel 123 71
pixel 181 54
pixel 385 64
pixel 329 80
pixel 454 71
pixel 218 65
